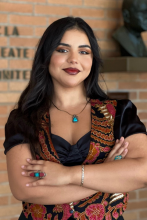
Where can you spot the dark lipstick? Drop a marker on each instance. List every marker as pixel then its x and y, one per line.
pixel 71 71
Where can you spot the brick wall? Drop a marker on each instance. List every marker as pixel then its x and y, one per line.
pixel 31 17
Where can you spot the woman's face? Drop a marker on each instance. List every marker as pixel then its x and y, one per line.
pixel 74 51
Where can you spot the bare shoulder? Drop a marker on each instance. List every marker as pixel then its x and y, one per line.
pixel 137 146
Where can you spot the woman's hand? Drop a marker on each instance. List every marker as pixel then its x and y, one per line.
pixel 120 148
pixel 56 174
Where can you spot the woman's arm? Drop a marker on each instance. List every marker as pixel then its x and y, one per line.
pixel 16 157
pixel 117 176
pixel 47 194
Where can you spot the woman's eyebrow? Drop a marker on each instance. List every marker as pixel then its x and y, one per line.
pixel 67 45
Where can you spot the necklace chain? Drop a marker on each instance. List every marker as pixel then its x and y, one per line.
pixel 68 112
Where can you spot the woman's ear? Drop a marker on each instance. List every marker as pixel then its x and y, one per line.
pixel 126 16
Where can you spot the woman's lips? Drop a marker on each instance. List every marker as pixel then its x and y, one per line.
pixel 71 71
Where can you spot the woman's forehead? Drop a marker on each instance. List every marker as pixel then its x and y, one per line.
pixel 75 36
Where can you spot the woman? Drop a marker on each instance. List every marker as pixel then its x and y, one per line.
pixel 70 159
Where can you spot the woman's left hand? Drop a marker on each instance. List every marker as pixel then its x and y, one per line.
pixel 56 174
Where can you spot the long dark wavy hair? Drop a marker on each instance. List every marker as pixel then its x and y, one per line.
pixel 36 98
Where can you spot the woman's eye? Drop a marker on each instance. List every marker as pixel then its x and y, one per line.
pixel 84 52
pixel 62 50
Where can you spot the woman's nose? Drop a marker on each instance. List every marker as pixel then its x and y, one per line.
pixel 73 58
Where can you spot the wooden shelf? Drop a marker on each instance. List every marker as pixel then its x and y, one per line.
pixel 125 64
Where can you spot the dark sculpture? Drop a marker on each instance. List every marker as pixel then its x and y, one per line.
pixel 135 22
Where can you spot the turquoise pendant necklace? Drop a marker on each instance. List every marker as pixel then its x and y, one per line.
pixel 74 117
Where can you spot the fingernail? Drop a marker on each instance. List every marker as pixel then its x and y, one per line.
pixel 23 172
pixel 22 166
pixel 28 159
pixel 121 138
pixel 117 141
pixel 27 184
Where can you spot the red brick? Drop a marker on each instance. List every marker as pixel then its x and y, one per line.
pixel 1 144
pixel 20 42
pixel 102 24
pixel 115 14
pixel 32 1
pixel 14 217
pixel 17 86
pixel 142 115
pixel 9 98
pixel 10 108
pixel 143 95
pixel 14 201
pixel 3 64
pixel 2 155
pixel 3 177
pixel 108 86
pixel 3 120
pixel 3 41
pixel 132 85
pixel 143 76
pixel 25 31
pixel 132 95
pixel 52 19
pixel 11 7
pixel 3 86
pixel 130 216
pixel 10 210
pixel 3 18
pixel 87 12
pixel 51 10
pixel 30 53
pixel 141 105
pixel 108 45
pixel 65 2
pixel 143 194
pixel 6 51
pixel 27 20
pixel 143 214
pixel 21 64
pixel 4 200
pixel 119 4
pixel 39 31
pixel 101 3
pixel 132 195
pixel 100 35
pixel 123 76
pixel 137 205
pixel 24 42
pixel 3 166
pixel 3 110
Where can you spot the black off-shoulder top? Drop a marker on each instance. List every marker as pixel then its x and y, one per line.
pixel 126 123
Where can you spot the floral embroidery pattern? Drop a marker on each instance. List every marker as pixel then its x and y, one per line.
pixel 38 211
pixel 100 206
pixel 93 153
pixel 95 211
